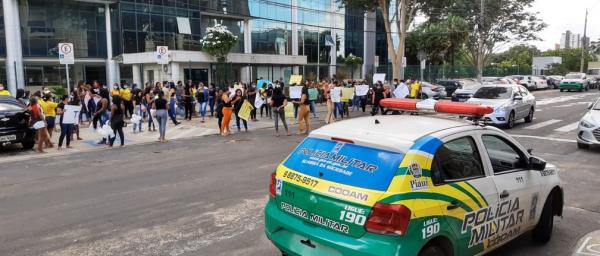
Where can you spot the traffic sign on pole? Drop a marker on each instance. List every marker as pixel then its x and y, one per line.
pixel 162 55
pixel 66 53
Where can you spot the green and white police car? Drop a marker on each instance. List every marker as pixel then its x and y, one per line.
pixel 410 185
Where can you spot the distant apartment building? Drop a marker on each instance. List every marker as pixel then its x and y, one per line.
pixel 569 40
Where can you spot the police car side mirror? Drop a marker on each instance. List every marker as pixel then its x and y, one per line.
pixel 589 105
pixel 518 97
pixel 537 164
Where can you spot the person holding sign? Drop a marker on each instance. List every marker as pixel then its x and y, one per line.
pixel 313 93
pixel 304 112
pixel 336 97
pixel 65 128
pixel 238 101
pixel 227 111
pixel 278 103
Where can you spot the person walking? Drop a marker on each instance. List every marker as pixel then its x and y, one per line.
pixel 65 129
pixel 227 111
pixel 312 101
pixel 117 120
pixel 304 112
pixel 49 107
pixel 162 109
pixel 278 104
pixel 251 95
pixel 415 90
pixel 126 96
pixel 102 112
pixel 338 106
pixel 378 95
pixel 148 101
pixel 202 96
pixel 172 96
pixel 187 99
pixel 138 109
pixel 330 105
pixel 212 99
pixel 38 122
pixel 219 108
pixel 238 101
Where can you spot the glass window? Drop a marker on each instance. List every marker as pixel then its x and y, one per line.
pixel 457 160
pixel 128 20
pixel 503 155
pixel 493 93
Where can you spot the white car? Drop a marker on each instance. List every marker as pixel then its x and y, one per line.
pixel 588 132
pixel 432 91
pixel 510 103
pixel 466 91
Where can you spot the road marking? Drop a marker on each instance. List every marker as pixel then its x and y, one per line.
pixel 560 99
pixel 542 138
pixel 542 124
pixel 568 128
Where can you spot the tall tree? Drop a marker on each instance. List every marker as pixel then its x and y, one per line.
pixel 398 15
pixel 503 21
pixel 440 38
pixel 571 58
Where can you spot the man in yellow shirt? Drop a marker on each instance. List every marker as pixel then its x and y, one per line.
pixel 49 108
pixel 3 91
pixel 126 96
pixel 415 89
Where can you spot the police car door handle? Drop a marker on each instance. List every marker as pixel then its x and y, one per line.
pixel 453 205
pixel 504 194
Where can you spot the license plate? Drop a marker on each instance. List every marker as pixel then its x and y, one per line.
pixel 8 138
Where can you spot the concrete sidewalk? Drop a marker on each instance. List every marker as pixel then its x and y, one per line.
pixel 187 129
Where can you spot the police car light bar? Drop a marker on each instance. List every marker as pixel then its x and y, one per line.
pixel 462 109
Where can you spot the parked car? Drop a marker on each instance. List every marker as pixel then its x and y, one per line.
pixel 432 91
pixel 466 91
pixel 510 103
pixel 575 81
pixel 588 131
pixel 540 82
pixel 450 85
pixel 594 82
pixel 14 123
pixel 554 81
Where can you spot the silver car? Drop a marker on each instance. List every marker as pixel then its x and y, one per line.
pixel 432 91
pixel 511 102
pixel 588 132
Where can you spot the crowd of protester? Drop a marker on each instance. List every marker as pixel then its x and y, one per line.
pixel 151 105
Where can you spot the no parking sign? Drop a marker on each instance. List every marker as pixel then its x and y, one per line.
pixel 66 53
pixel 162 54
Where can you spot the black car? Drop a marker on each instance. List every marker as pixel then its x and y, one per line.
pixel 14 123
pixel 450 85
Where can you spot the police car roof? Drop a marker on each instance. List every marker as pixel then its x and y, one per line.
pixel 395 133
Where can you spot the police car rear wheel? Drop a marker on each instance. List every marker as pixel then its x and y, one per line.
pixel 511 121
pixel 432 250
pixel 543 230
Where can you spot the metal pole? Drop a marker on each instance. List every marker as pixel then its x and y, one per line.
pixel 584 47
pixel 68 81
pixel 190 69
pixel 480 50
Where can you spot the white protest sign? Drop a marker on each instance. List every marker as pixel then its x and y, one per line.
pixel 162 55
pixel 401 92
pixel 336 94
pixel 378 77
pixel 295 92
pixel 71 115
pixel 66 54
pixel 362 90
pixel 258 102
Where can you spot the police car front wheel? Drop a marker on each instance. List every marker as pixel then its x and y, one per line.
pixel 543 231
pixel 432 250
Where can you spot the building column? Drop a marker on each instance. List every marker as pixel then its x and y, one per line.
pixel 246 71
pixel 14 49
pixel 112 67
pixel 369 44
pixel 175 72
pixel 137 77
pixel 295 47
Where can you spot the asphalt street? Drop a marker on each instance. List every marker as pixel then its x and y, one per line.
pixel 205 196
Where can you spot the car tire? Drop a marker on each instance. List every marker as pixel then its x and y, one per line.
pixel 582 146
pixel 432 250
pixel 529 118
pixel 28 144
pixel 562 90
pixel 543 230
pixel 510 123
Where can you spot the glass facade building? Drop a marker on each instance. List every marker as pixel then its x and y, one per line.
pixel 117 40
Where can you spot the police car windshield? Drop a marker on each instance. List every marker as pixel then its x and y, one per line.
pixel 493 93
pixel 573 76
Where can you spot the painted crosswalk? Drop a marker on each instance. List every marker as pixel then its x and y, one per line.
pixel 568 128
pixel 542 124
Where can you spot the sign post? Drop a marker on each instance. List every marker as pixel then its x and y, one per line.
pixel 162 57
pixel 66 56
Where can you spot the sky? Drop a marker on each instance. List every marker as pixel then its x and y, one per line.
pixel 563 15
